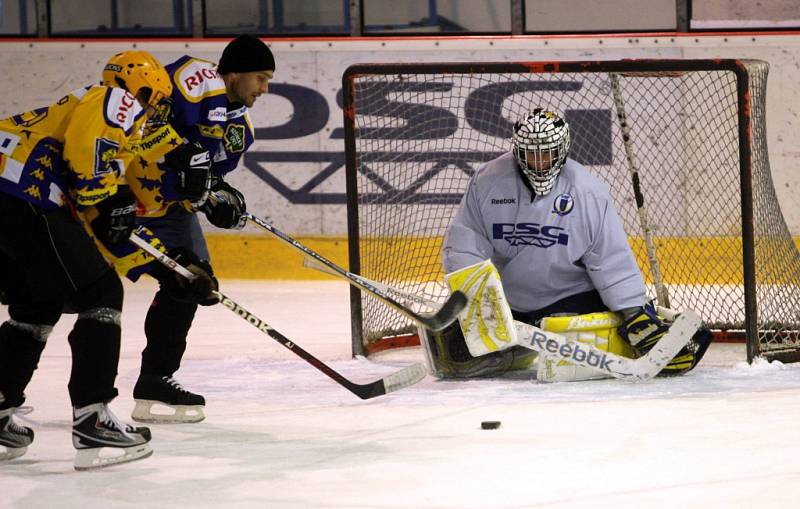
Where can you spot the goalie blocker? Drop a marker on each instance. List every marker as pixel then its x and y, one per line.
pixel 579 347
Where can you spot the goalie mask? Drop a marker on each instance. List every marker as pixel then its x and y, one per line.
pixel 541 143
pixel 144 77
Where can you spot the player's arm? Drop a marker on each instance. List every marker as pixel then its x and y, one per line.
pixel 101 125
pixel 167 169
pixel 609 260
pixel 614 272
pixel 200 106
pixel 466 242
pixel 226 205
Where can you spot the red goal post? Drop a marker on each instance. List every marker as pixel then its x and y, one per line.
pixel 683 141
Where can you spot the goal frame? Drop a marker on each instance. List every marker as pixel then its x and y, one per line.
pixel 654 66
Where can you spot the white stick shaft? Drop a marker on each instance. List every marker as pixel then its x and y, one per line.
pixel 161 257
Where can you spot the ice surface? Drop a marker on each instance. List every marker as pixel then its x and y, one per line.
pixel 279 434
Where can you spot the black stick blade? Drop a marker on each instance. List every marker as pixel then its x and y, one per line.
pixel 446 314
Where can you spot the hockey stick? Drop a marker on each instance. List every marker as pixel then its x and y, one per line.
pixel 311 263
pixel 437 321
pixel 633 170
pixel 404 378
pixel 636 370
pixel 643 368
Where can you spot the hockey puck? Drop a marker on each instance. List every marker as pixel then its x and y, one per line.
pixel 490 424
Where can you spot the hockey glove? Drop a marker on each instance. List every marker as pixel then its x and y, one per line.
pixel 191 164
pixel 225 206
pixel 643 329
pixel 116 217
pixel 198 290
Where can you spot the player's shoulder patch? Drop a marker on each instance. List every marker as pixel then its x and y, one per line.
pixel 121 109
pixel 197 79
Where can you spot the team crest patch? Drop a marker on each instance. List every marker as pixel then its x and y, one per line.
pixel 563 204
pixel 234 138
pixel 105 151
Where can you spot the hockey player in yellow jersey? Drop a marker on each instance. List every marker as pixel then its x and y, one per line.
pixel 57 163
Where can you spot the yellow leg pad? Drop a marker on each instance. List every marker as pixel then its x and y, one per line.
pixel 598 329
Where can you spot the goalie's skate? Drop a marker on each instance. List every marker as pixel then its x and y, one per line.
pixel 14 439
pixel 161 399
pixel 102 441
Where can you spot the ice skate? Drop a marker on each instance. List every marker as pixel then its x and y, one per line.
pixel 14 439
pixel 102 440
pixel 161 399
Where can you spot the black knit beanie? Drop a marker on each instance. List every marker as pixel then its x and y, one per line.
pixel 245 54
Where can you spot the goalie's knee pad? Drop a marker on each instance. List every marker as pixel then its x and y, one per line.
pixel 597 329
pixel 447 356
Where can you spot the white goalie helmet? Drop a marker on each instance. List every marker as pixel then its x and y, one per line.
pixel 541 143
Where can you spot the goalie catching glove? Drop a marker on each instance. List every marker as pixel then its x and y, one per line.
pixel 199 290
pixel 225 206
pixel 643 328
pixel 487 322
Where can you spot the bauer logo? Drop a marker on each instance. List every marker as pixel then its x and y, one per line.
pixel 530 234
pixel 563 204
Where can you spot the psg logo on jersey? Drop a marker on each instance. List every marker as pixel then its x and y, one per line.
pixel 563 204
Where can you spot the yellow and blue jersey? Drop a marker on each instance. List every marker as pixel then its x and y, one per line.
pixel 201 112
pixel 76 149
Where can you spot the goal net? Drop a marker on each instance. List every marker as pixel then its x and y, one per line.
pixel 690 133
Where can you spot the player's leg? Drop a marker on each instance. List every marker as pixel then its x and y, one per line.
pixel 22 340
pixel 59 262
pixel 55 262
pixel 483 342
pixel 99 437
pixel 447 356
pixel 159 397
pixel 31 319
pixel 595 329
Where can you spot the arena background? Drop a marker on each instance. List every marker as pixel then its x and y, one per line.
pixel 294 173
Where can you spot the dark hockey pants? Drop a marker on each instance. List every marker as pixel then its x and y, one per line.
pixel 46 260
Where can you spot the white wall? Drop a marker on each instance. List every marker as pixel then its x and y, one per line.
pixel 38 73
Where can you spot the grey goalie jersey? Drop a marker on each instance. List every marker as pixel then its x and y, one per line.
pixel 567 242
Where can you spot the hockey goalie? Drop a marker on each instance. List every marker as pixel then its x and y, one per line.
pixel 537 244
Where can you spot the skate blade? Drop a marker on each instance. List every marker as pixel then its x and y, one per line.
pixel 101 457
pixel 11 452
pixel 158 412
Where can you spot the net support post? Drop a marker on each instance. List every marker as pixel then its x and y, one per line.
pixel 351 181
